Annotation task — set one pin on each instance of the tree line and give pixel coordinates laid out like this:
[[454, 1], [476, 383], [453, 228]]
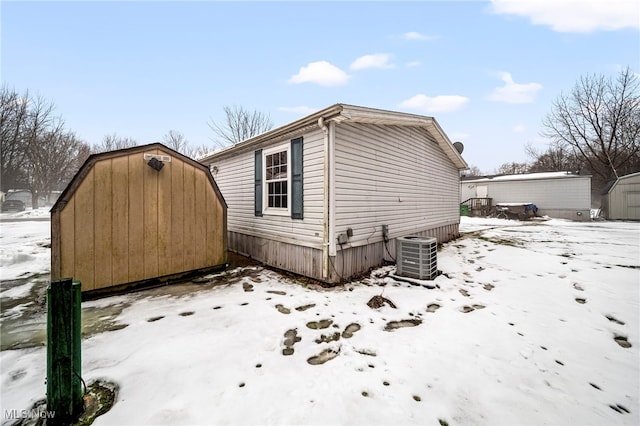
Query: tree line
[[38, 153], [594, 128]]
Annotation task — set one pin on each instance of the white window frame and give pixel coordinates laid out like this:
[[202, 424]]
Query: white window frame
[[276, 211]]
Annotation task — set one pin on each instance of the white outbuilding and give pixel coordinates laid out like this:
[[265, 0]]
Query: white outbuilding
[[622, 199], [562, 195]]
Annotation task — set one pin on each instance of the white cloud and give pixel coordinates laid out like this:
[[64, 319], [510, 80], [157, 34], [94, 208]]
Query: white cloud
[[514, 93], [413, 35], [413, 64], [519, 128], [322, 73], [445, 103], [301, 110], [376, 60], [574, 16]]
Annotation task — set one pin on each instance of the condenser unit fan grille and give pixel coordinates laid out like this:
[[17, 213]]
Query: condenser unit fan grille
[[416, 257]]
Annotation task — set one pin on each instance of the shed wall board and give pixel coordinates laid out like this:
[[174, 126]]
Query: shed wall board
[[189, 217], [395, 176], [235, 178], [83, 222], [66, 256], [120, 221], [150, 224], [136, 219], [178, 224], [165, 212], [102, 223]]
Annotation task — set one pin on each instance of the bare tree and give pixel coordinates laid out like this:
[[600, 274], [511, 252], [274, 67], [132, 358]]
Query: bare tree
[[512, 168], [53, 161], [13, 153], [239, 124], [175, 140], [40, 122], [37, 152], [557, 158], [113, 142], [200, 151], [472, 171], [599, 121]]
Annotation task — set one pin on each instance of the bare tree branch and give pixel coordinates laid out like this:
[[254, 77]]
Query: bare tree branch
[[174, 140], [239, 125], [599, 123], [113, 142], [13, 152]]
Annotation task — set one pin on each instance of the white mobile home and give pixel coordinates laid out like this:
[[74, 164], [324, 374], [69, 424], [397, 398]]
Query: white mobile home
[[622, 200], [562, 195], [325, 196]]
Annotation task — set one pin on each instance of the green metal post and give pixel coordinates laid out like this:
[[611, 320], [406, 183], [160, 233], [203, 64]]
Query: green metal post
[[64, 384]]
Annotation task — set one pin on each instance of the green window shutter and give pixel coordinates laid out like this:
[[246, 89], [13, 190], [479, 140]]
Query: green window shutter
[[257, 200], [297, 206]]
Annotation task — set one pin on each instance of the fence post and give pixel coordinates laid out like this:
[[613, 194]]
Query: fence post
[[64, 366]]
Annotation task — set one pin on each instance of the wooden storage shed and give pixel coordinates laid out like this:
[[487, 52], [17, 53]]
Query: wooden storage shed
[[622, 199], [327, 195], [137, 216]]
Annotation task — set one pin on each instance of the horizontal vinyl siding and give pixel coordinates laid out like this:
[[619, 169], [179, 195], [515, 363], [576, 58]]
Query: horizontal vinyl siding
[[397, 176], [569, 193], [468, 190], [619, 198], [235, 178]]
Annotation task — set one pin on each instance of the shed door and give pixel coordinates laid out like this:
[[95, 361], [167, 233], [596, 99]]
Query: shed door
[[482, 191], [632, 205]]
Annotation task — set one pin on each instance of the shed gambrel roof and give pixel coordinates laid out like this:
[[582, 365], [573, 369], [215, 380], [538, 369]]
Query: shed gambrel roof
[[94, 158], [611, 185], [354, 114]]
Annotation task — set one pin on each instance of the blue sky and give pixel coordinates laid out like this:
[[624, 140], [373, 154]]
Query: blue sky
[[487, 71]]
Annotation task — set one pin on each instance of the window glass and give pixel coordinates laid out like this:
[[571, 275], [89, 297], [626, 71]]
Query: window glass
[[276, 179]]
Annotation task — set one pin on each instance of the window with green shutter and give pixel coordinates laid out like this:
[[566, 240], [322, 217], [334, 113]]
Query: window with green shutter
[[278, 180]]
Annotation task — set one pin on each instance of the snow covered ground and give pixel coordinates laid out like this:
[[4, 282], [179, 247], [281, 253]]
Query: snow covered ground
[[521, 330]]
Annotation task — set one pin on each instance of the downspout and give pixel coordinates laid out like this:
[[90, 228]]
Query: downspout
[[332, 188], [325, 200]]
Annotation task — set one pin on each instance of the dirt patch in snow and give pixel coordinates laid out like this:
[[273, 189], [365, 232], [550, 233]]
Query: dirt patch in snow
[[394, 325]]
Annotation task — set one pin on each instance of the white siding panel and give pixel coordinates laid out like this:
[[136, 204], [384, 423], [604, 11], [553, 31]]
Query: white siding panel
[[622, 200], [568, 193], [235, 176], [395, 176]]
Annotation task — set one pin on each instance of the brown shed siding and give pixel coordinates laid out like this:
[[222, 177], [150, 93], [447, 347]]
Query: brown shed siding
[[120, 221]]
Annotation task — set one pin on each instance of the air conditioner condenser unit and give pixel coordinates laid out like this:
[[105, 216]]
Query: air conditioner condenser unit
[[417, 257]]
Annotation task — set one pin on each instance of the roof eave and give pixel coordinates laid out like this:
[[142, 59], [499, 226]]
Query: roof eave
[[301, 123], [355, 114]]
